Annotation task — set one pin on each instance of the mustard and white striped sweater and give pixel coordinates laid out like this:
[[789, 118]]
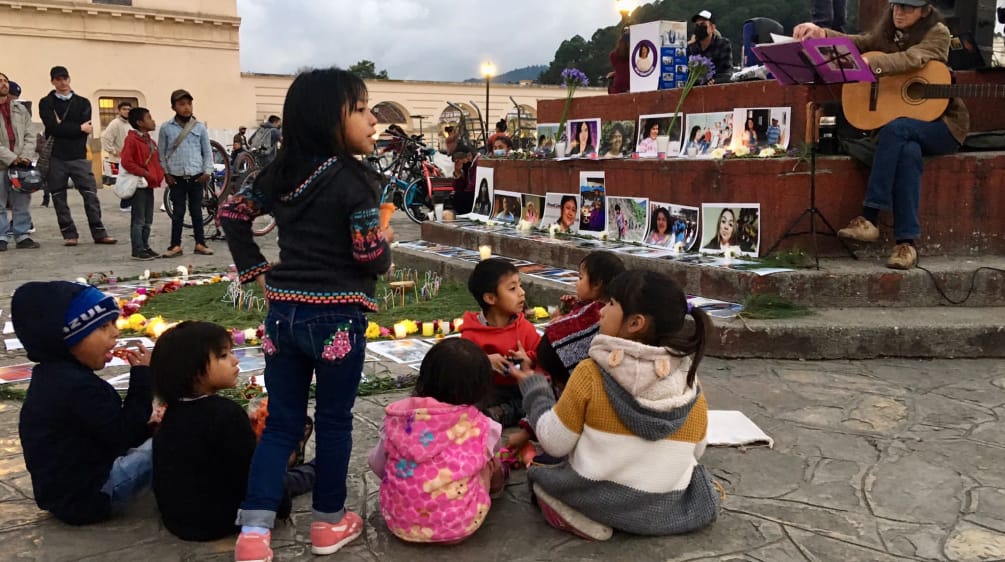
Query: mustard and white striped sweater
[[633, 432]]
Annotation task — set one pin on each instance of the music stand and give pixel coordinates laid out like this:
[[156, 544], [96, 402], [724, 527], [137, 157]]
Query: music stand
[[791, 64]]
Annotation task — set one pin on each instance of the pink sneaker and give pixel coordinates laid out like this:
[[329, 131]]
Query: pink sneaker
[[328, 538], [253, 547]]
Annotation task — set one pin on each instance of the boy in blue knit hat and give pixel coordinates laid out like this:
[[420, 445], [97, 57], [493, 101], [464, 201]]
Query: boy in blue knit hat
[[88, 451]]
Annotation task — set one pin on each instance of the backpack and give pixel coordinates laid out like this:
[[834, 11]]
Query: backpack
[[261, 140]]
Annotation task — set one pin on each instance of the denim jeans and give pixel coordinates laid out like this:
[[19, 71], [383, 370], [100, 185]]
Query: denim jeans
[[186, 191], [20, 203], [142, 217], [829, 13], [132, 474], [895, 180], [300, 336]]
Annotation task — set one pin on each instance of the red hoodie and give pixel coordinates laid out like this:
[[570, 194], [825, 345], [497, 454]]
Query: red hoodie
[[501, 340], [139, 157]]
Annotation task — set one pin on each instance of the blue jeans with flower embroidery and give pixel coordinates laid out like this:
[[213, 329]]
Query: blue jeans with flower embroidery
[[303, 340]]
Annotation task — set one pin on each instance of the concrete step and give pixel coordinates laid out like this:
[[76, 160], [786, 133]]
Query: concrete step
[[829, 333], [840, 282]]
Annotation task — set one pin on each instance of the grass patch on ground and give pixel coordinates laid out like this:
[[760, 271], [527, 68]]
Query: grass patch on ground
[[206, 302], [795, 259], [772, 307]]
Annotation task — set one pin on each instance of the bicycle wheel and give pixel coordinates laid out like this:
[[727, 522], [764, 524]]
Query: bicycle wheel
[[221, 166], [263, 224], [244, 164], [416, 202]]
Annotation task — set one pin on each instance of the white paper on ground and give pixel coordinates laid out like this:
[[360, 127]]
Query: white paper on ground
[[13, 344], [731, 428], [8, 327]]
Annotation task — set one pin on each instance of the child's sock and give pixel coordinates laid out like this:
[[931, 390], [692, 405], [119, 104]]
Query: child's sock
[[250, 529]]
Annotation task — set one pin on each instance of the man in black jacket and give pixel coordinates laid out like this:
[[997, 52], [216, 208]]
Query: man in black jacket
[[67, 118], [708, 42]]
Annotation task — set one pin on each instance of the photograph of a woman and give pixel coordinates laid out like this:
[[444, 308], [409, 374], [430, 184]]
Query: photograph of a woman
[[671, 224], [644, 59], [655, 137], [567, 220], [647, 143], [533, 206], [659, 228], [616, 139], [483, 201], [733, 225], [583, 135]]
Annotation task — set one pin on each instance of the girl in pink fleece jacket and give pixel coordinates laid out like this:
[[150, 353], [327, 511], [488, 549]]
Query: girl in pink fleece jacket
[[436, 456]]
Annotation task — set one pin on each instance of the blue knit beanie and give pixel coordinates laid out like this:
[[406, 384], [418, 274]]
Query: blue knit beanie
[[88, 311]]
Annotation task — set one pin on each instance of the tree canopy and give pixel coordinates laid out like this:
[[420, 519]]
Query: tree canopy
[[367, 70], [590, 56]]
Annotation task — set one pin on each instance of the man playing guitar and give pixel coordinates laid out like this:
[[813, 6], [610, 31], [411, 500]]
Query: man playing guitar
[[910, 35]]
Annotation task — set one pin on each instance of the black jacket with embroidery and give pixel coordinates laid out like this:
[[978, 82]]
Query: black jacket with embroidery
[[330, 245]]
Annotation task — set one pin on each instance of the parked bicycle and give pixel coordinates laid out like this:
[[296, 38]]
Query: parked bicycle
[[414, 183]]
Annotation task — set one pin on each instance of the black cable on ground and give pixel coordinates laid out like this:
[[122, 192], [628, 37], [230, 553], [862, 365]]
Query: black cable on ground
[[970, 291]]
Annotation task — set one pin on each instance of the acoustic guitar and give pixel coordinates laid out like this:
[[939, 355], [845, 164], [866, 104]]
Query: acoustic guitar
[[922, 94]]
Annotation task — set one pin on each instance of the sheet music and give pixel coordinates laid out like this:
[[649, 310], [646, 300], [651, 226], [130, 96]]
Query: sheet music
[[776, 38]]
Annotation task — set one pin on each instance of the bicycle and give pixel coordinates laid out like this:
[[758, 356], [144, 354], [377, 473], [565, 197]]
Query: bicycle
[[414, 182], [214, 189], [247, 166]]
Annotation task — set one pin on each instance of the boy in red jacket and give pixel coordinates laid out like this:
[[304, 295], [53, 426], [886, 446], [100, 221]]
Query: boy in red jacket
[[503, 333], [139, 157]]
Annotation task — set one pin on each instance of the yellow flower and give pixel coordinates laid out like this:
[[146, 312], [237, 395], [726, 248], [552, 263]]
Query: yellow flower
[[719, 153], [540, 312], [741, 151], [137, 321], [372, 331], [410, 326]]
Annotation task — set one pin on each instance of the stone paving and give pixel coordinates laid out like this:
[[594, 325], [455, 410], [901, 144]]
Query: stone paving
[[873, 460]]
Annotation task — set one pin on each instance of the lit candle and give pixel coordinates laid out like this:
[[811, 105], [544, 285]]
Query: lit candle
[[400, 330], [122, 323], [552, 230], [457, 323], [485, 251], [238, 336], [427, 329], [444, 326]]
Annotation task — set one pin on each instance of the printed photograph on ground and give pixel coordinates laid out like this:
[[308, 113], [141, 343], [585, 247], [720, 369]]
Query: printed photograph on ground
[[561, 209], [592, 214], [730, 225], [533, 207], [482, 208], [627, 218], [706, 132], [506, 206], [671, 224]]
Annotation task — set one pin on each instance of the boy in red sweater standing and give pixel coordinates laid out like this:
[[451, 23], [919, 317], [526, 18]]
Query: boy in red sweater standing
[[503, 333], [139, 157]]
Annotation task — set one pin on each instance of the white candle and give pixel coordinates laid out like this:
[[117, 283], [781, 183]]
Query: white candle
[[400, 331], [485, 251]]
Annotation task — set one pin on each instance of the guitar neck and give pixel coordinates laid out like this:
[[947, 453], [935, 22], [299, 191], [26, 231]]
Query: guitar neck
[[964, 91]]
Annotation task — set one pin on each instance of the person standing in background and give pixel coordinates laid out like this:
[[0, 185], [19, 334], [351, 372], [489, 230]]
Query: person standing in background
[[829, 14], [112, 140]]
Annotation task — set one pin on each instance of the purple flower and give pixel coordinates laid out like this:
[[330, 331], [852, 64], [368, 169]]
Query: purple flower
[[573, 77], [701, 67]]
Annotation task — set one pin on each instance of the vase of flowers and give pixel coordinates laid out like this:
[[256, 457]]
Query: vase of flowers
[[572, 78], [699, 71]]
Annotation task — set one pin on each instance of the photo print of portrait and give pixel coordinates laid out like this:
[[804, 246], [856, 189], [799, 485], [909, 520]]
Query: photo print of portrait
[[547, 136], [644, 58], [731, 225], [506, 206], [616, 139], [584, 135], [706, 132], [653, 138], [592, 213], [482, 207], [561, 209], [671, 224], [533, 206], [761, 127], [627, 218]]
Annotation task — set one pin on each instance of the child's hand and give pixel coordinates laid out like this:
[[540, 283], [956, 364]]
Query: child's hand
[[520, 356], [569, 300], [388, 234], [500, 364], [522, 371], [139, 356]]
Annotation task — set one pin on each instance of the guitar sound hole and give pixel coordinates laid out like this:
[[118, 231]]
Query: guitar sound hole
[[914, 92]]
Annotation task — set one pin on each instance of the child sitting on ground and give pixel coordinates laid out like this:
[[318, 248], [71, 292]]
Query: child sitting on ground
[[202, 451], [632, 420], [437, 451], [87, 450], [503, 333], [567, 339]]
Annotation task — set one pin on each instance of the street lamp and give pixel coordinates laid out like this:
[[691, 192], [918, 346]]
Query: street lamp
[[488, 70], [624, 7]]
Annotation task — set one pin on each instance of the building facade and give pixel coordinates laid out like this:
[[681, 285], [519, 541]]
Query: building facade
[[141, 50]]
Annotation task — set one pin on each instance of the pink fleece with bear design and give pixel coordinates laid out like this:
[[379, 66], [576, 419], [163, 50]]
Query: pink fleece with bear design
[[433, 458]]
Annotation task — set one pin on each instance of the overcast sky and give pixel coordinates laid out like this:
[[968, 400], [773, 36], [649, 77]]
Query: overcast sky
[[413, 39]]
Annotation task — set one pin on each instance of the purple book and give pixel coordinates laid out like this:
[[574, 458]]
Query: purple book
[[829, 60]]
